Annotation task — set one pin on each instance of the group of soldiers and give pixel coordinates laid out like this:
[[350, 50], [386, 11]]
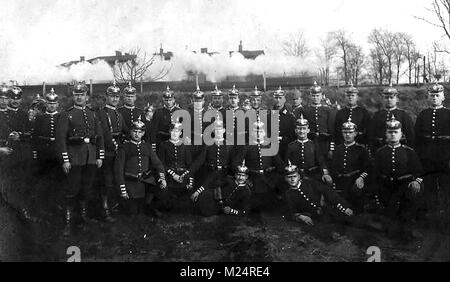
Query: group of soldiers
[[330, 162]]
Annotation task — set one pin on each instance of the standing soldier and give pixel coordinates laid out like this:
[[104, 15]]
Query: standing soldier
[[377, 128], [359, 116], [114, 130], [217, 101], [149, 112], [286, 122], [233, 107], [162, 119], [297, 108], [321, 122], [350, 167], [4, 127], [80, 142], [133, 166], [129, 111], [433, 147], [197, 112]]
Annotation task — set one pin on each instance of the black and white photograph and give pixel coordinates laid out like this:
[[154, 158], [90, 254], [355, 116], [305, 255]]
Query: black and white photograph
[[237, 132]]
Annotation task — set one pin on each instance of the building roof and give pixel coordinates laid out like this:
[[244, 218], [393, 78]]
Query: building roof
[[249, 54]]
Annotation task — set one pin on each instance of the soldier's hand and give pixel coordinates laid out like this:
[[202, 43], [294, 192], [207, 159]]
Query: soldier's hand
[[327, 179], [414, 186], [125, 195], [348, 212], [154, 147], [99, 163], [330, 155], [66, 167], [194, 196], [14, 136], [359, 182], [5, 150], [303, 218], [226, 210], [162, 184], [177, 178]]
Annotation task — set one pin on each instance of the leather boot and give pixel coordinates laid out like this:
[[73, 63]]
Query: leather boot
[[84, 211], [108, 216], [68, 226]]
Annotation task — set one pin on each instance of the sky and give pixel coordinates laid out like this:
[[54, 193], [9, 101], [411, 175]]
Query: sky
[[37, 35]]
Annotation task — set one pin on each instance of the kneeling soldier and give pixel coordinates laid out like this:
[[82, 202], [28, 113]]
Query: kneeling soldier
[[133, 164], [350, 166]]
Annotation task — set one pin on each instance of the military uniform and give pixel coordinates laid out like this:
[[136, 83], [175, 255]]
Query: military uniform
[[298, 111], [360, 117], [305, 155], [130, 114]]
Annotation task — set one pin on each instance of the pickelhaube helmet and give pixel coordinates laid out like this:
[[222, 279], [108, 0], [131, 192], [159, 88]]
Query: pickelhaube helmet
[[435, 88], [242, 168], [15, 92], [279, 93], [348, 126], [4, 89], [80, 87], [129, 90], [256, 92], [38, 103], [393, 124], [51, 97], [301, 121], [168, 94], [216, 92], [198, 94], [290, 169], [138, 124], [233, 91], [351, 89], [113, 90], [390, 91], [315, 89]]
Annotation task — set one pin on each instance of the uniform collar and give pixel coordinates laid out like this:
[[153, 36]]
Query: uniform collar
[[51, 114], [352, 107], [391, 109], [79, 108], [395, 146], [298, 186], [136, 143], [349, 145], [316, 106], [437, 108], [298, 106], [12, 109], [3, 110], [170, 109], [129, 107], [110, 107], [303, 141], [234, 108]]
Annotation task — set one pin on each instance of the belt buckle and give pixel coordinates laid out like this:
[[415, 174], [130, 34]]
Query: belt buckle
[[261, 171], [391, 179], [52, 139], [87, 140], [219, 167]]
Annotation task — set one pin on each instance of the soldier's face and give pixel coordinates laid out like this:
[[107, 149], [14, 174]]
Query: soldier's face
[[393, 136], [137, 134], [280, 101], [4, 102], [198, 103], [129, 100], [349, 136], [15, 103], [51, 107], [292, 179], [390, 101], [351, 99], [241, 178], [149, 114], [169, 102], [302, 132], [217, 101], [316, 98], [297, 101], [175, 134], [255, 102], [80, 99], [436, 99], [234, 101], [219, 132], [113, 100]]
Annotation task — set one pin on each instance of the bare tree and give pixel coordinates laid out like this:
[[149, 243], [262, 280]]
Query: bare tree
[[377, 65], [383, 40], [296, 45], [139, 67], [411, 55], [342, 42], [399, 52], [356, 61], [326, 54]]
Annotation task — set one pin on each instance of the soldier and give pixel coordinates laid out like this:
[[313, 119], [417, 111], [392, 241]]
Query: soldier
[[133, 166], [398, 174], [197, 112], [304, 154], [177, 160], [80, 142], [286, 121], [297, 106], [433, 147], [129, 111], [321, 122], [359, 116], [114, 130], [262, 168], [216, 100], [149, 112], [246, 105], [4, 127], [233, 96], [162, 119], [350, 167], [229, 196], [377, 127], [303, 198]]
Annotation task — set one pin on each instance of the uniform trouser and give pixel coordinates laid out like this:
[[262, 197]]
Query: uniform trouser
[[50, 169], [108, 190], [135, 206], [398, 199], [346, 187], [80, 183]]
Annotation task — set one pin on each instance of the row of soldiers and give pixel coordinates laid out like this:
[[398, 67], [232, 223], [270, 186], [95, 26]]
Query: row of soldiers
[[328, 158]]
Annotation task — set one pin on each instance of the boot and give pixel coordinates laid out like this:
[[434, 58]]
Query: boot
[[67, 228], [108, 217], [83, 213]]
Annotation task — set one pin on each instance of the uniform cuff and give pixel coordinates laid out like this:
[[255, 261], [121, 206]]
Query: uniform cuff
[[341, 208], [331, 146], [363, 175], [419, 180], [101, 154], [200, 190], [65, 157]]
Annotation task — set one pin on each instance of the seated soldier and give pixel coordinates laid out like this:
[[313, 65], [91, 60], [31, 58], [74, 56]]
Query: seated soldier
[[230, 196], [177, 160], [350, 167], [303, 199], [133, 164]]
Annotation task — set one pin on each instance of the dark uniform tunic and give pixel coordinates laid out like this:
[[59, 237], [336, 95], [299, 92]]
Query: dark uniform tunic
[[360, 117], [321, 124], [305, 155], [232, 133], [349, 163], [18, 121], [133, 160], [395, 167], [44, 137], [177, 160], [377, 128], [433, 147], [298, 111], [79, 138], [161, 121], [286, 127], [130, 114], [235, 196], [4, 127]]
